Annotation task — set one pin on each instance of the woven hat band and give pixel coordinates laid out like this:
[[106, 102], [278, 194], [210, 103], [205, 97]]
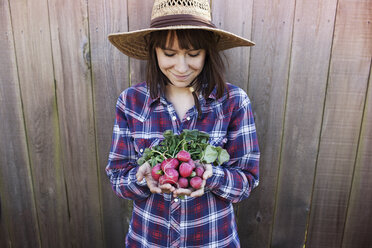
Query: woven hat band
[[180, 19]]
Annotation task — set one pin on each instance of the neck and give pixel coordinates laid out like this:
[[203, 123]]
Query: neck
[[173, 92], [181, 99]]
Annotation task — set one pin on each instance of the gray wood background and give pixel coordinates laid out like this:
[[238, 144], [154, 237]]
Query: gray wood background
[[308, 77]]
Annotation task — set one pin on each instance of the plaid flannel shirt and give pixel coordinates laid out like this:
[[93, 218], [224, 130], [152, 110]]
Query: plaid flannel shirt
[[160, 220]]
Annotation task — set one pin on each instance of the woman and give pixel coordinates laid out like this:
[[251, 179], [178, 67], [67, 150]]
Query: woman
[[185, 89]]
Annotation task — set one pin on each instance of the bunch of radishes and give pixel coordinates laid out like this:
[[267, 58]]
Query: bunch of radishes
[[180, 171], [172, 160]]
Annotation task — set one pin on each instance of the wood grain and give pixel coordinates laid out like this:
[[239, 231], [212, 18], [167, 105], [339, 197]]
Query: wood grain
[[348, 78], [237, 58], [358, 224], [310, 54], [110, 77], [139, 15], [268, 76], [71, 58], [16, 189], [35, 69]]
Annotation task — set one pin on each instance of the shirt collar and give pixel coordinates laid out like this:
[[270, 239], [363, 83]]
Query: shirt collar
[[150, 100], [212, 96]]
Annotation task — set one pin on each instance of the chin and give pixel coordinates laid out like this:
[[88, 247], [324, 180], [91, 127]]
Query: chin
[[181, 84]]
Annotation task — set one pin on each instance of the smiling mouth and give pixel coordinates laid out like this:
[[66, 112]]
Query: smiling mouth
[[181, 77]]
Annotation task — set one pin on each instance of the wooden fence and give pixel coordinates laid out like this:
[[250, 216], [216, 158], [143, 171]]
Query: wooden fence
[[308, 77]]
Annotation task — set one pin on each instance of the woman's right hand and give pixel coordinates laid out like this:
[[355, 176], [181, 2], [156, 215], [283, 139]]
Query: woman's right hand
[[144, 171]]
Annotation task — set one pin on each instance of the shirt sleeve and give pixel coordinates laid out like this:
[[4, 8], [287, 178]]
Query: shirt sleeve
[[235, 180], [122, 165]]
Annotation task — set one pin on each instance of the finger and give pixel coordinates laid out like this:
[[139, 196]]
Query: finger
[[143, 170], [153, 185], [154, 189], [197, 193], [167, 188], [208, 171], [204, 182], [139, 174], [181, 191]]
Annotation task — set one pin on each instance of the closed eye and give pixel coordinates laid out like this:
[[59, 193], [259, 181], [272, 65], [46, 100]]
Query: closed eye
[[169, 54], [194, 54]]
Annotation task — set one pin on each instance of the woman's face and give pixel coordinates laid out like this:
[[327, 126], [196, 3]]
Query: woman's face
[[180, 66]]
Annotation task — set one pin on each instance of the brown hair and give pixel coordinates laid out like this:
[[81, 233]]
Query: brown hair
[[211, 75]]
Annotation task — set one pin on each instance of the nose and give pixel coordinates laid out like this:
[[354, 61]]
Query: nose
[[181, 65]]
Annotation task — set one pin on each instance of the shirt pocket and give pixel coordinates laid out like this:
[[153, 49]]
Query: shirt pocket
[[140, 144]]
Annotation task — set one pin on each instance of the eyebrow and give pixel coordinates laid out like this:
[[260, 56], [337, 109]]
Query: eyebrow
[[173, 50]]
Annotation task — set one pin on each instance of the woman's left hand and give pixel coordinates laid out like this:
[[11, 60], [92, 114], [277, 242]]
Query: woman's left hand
[[196, 192]]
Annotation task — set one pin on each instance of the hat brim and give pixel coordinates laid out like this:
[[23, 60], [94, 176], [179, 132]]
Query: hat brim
[[133, 43]]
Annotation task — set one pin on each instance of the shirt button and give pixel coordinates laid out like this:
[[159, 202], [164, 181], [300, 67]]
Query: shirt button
[[141, 150], [188, 118], [174, 118]]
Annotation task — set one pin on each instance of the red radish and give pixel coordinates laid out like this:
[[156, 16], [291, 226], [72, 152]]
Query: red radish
[[196, 182], [169, 163], [156, 172], [199, 171], [183, 156], [170, 176], [163, 180], [185, 169], [192, 163], [183, 182]]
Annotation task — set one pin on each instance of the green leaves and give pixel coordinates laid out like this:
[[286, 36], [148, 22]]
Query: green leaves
[[193, 141], [153, 156], [210, 155], [223, 156], [215, 154]]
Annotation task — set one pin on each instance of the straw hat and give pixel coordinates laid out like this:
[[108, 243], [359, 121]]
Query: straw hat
[[171, 15]]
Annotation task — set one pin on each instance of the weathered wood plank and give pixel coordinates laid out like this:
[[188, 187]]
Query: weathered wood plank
[[268, 76], [348, 78], [16, 189], [35, 70], [310, 55], [71, 58], [237, 58], [110, 76], [139, 16], [358, 225], [4, 234]]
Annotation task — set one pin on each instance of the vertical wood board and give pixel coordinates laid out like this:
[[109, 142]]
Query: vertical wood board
[[268, 75], [348, 77], [139, 16], [358, 225], [110, 78], [16, 190], [35, 69], [310, 55], [237, 58], [71, 58]]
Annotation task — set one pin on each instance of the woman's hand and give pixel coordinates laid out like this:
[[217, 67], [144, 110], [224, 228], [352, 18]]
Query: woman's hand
[[144, 171], [196, 192]]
